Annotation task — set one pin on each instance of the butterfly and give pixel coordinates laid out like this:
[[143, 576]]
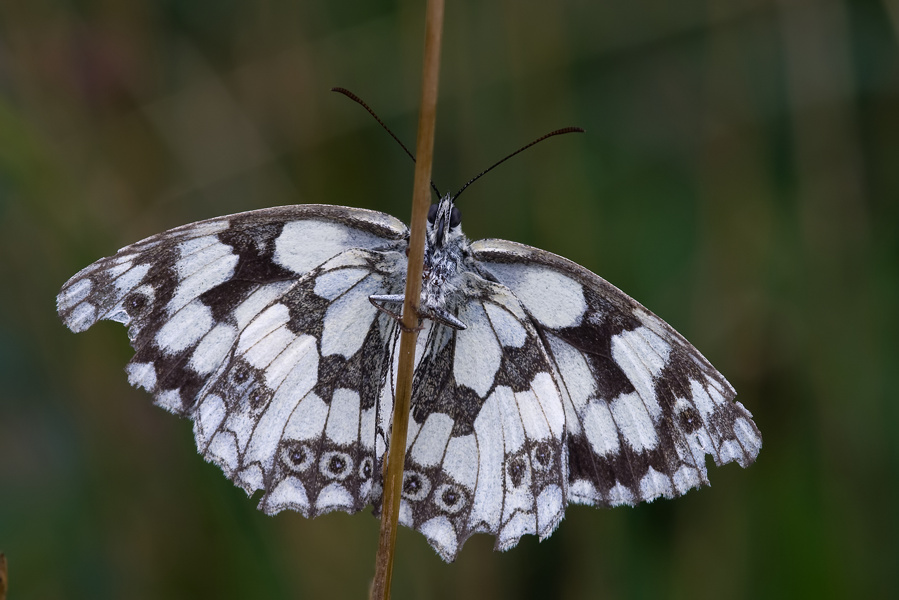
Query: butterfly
[[537, 383]]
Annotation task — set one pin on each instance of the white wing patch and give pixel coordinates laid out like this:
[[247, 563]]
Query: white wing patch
[[575, 378], [212, 350], [461, 454], [508, 328], [477, 354], [552, 298], [266, 336], [600, 428], [308, 419], [430, 443], [185, 328], [489, 489], [303, 245], [550, 402], [349, 318], [126, 280], [258, 301], [141, 375], [82, 316], [634, 422], [343, 417], [331, 284]]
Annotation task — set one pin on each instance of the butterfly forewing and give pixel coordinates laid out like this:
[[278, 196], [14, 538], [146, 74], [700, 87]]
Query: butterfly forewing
[[643, 407]]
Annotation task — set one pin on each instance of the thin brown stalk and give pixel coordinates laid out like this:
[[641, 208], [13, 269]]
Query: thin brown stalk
[[4, 577], [393, 480]]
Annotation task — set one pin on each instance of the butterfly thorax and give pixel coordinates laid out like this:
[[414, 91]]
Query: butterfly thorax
[[445, 249]]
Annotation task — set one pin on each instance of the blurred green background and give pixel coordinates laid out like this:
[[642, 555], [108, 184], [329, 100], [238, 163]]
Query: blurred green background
[[739, 176]]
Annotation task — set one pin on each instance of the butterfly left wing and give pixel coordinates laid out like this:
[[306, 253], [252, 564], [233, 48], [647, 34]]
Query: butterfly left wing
[[239, 322], [485, 451], [643, 408]]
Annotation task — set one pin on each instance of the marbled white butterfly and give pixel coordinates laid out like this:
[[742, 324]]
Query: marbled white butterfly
[[537, 383]]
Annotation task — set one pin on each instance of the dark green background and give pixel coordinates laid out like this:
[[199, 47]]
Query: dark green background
[[740, 177]]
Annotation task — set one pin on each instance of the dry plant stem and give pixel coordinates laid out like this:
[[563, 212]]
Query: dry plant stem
[[390, 505], [4, 577]]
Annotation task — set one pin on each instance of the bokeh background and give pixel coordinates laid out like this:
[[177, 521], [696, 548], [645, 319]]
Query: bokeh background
[[739, 176]]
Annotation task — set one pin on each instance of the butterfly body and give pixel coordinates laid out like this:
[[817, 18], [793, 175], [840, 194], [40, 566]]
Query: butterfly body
[[446, 258], [537, 383]]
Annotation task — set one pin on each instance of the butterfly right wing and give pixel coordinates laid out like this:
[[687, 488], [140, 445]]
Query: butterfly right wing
[[297, 408], [204, 304]]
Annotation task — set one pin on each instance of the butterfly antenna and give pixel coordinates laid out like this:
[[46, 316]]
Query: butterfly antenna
[[522, 149], [362, 103]]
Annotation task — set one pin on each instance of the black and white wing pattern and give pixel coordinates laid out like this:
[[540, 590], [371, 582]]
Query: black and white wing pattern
[[561, 389], [258, 327], [486, 448], [642, 406], [537, 383]]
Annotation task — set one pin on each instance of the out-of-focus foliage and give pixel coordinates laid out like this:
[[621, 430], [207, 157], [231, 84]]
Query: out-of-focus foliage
[[740, 177]]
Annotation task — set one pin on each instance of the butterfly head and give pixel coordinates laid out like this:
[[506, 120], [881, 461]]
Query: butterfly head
[[444, 222]]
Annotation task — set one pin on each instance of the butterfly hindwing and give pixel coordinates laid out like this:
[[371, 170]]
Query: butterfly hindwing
[[312, 446], [485, 451], [643, 407]]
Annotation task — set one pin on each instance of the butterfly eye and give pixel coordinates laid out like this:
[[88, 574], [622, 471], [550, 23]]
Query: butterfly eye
[[432, 214], [455, 217]]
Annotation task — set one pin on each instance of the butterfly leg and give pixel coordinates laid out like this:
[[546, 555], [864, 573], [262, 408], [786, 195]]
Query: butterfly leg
[[439, 315], [395, 316], [443, 316]]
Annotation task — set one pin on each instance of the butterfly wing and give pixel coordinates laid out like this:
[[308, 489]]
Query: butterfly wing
[[485, 451], [257, 326], [643, 407], [560, 389]]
